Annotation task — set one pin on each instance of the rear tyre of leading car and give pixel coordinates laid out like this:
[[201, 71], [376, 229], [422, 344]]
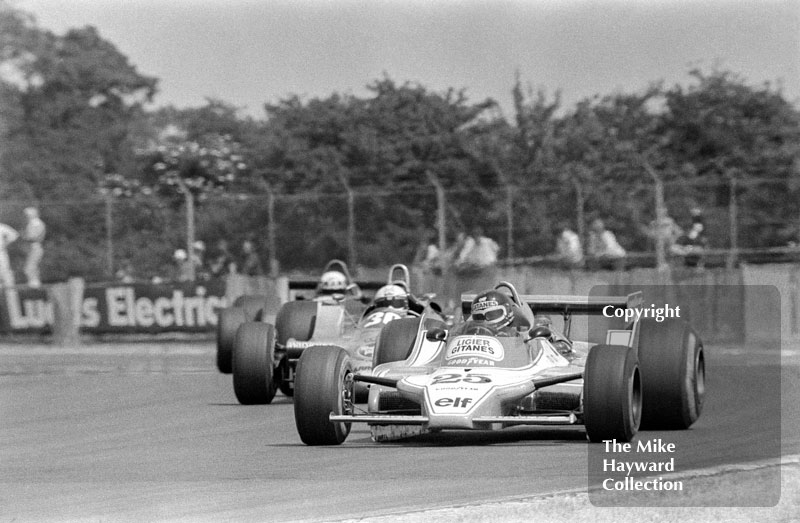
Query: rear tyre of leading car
[[244, 308], [673, 371], [612, 393], [296, 320], [322, 386], [253, 363], [229, 321]]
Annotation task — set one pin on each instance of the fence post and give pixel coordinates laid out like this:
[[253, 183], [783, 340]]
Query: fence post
[[441, 215], [67, 302], [351, 221], [271, 244], [510, 220], [189, 229], [109, 235], [661, 217], [733, 220], [580, 204]]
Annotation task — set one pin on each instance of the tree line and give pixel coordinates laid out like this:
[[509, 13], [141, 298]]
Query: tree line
[[77, 126]]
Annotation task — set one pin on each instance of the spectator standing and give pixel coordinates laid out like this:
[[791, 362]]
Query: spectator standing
[[667, 231], [251, 263], [183, 266], [484, 253], [198, 256], [125, 272], [33, 234], [8, 235], [692, 244], [427, 255], [603, 249], [222, 262], [476, 267], [569, 250]]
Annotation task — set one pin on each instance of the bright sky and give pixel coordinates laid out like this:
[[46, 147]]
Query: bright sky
[[248, 52]]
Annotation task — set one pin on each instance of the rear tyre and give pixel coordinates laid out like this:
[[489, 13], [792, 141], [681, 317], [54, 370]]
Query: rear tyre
[[322, 386], [295, 320], [395, 341], [672, 364], [253, 367], [612, 393], [253, 305], [229, 321]]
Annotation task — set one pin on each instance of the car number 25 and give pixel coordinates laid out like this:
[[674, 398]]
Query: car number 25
[[377, 318], [455, 378]]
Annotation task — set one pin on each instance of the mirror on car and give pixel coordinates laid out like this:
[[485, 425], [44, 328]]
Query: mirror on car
[[436, 334]]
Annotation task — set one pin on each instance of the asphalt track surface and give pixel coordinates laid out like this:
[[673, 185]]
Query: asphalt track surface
[[144, 433]]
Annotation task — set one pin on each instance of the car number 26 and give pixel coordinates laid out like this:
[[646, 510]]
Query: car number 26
[[455, 378], [380, 317]]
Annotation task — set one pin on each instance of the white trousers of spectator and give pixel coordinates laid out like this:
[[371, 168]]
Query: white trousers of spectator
[[31, 269], [6, 274]]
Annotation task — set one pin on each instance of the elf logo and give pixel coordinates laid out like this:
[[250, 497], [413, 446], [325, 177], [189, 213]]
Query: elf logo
[[459, 403]]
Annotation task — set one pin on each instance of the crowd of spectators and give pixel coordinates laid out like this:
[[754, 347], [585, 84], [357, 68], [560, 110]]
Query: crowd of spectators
[[202, 266], [681, 247]]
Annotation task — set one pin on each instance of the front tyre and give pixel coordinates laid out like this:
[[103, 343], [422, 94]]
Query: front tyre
[[253, 367], [612, 393], [673, 374], [323, 385]]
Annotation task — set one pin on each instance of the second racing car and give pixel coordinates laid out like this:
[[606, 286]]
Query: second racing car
[[264, 356]]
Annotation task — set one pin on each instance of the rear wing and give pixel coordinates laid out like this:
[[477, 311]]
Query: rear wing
[[305, 289], [560, 304], [552, 304]]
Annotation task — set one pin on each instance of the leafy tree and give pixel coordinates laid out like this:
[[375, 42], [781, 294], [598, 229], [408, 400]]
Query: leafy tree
[[720, 128], [69, 102]]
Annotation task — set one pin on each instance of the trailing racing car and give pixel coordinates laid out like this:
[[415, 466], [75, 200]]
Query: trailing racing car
[[506, 365], [334, 282], [264, 356]]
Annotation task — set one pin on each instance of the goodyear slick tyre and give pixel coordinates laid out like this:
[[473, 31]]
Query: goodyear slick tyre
[[253, 363], [612, 393], [229, 321], [672, 364], [253, 305], [320, 387], [295, 320]]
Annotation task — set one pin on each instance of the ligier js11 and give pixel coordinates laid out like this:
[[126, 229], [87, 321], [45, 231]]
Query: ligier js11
[[265, 356], [506, 365]]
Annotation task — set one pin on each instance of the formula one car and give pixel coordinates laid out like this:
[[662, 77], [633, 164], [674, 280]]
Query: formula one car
[[471, 377], [265, 356], [335, 280]]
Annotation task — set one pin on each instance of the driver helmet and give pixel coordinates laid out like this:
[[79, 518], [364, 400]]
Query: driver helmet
[[492, 308], [332, 282], [393, 296]]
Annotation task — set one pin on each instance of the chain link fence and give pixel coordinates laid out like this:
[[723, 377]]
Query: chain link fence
[[377, 227]]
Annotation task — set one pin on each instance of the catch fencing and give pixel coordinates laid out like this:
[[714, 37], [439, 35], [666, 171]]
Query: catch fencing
[[374, 227]]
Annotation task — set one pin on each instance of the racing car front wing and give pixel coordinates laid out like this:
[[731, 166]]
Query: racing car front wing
[[390, 419]]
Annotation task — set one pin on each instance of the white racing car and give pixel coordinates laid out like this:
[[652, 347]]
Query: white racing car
[[481, 377], [264, 356]]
